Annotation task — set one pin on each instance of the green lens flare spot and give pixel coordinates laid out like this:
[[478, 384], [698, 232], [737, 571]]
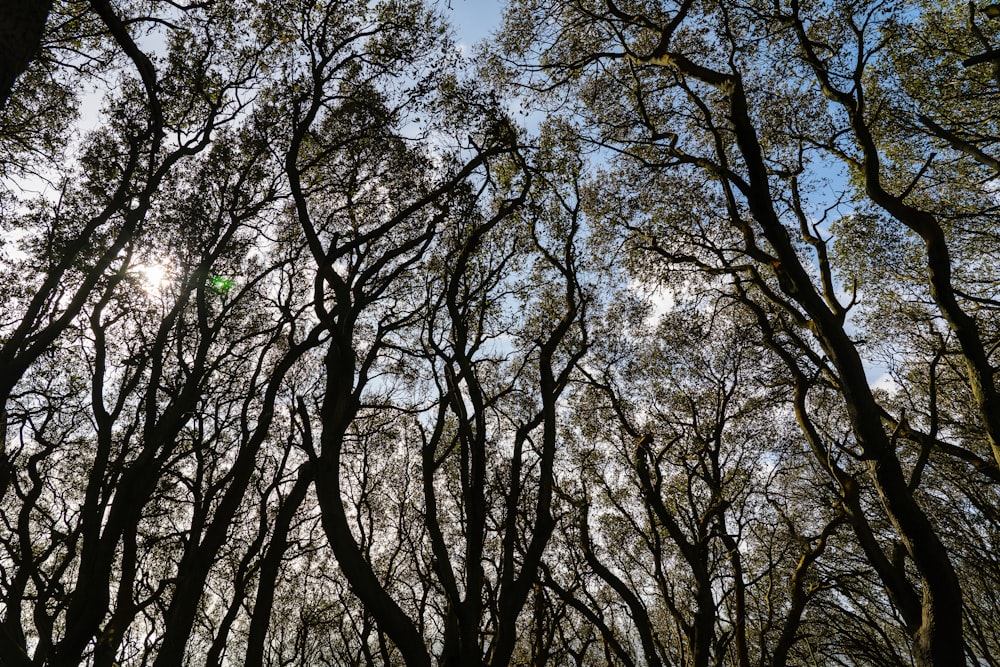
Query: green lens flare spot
[[220, 284]]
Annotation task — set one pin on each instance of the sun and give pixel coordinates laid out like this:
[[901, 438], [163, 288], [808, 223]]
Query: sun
[[153, 277]]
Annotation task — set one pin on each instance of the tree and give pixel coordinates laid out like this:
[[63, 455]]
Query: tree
[[310, 355], [747, 105]]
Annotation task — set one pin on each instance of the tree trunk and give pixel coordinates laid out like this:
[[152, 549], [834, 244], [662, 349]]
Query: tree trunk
[[21, 25]]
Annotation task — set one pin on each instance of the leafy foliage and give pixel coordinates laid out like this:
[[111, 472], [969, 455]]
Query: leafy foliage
[[310, 355]]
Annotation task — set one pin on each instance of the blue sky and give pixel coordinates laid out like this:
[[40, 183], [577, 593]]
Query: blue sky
[[474, 19]]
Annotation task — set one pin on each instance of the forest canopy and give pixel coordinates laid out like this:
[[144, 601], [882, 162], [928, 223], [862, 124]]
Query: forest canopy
[[643, 333]]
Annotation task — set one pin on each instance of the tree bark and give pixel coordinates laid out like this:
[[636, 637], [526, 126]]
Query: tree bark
[[22, 23]]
